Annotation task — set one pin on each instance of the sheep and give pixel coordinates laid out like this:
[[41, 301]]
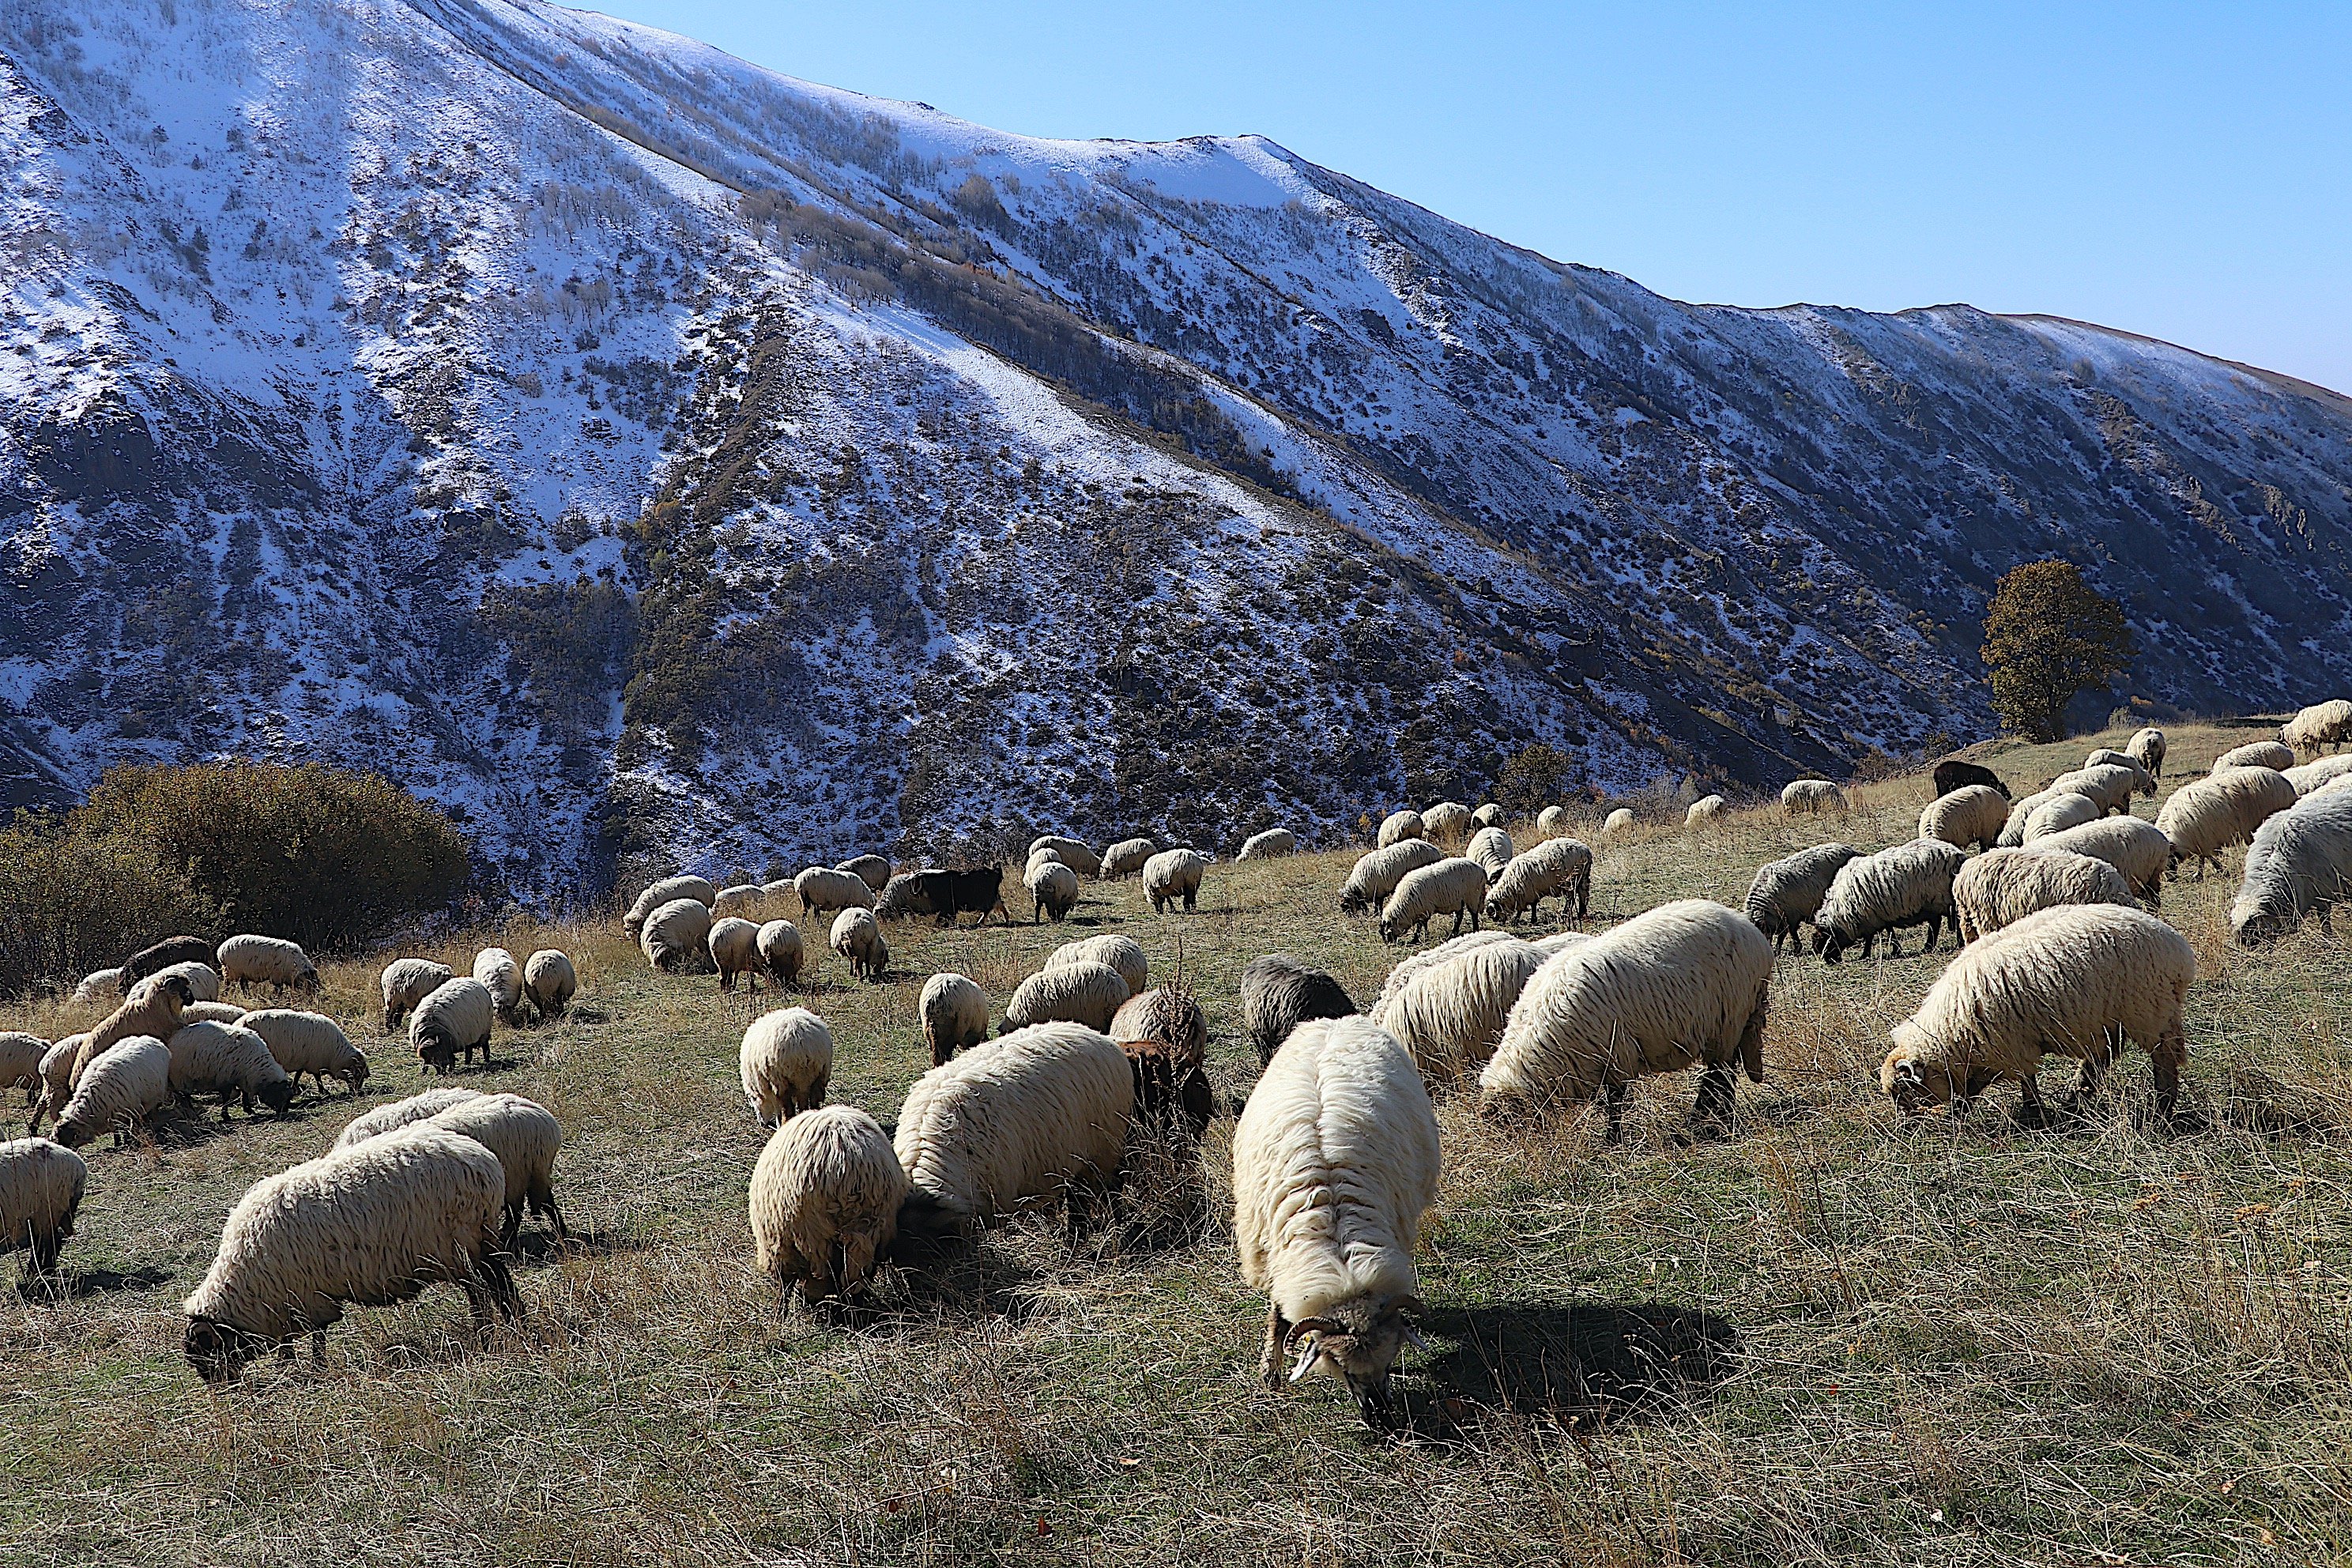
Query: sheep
[[2020, 812], [203, 982], [871, 869], [1052, 890], [1487, 815], [780, 950], [1787, 894], [734, 944], [857, 937], [119, 1093], [2062, 810], [1170, 875], [1909, 885], [785, 1062], [1279, 992], [1126, 856], [1448, 821], [2258, 755], [153, 1010], [1970, 817], [20, 1064], [2003, 886], [2065, 981], [309, 1043], [1047, 856], [1551, 822], [97, 983], [1416, 964], [2300, 864], [1704, 810], [525, 1136], [669, 889], [549, 981], [1375, 875], [2322, 724], [1686, 981], [371, 1226], [1491, 847], [2131, 845], [825, 892], [1456, 887], [1035, 1113], [1272, 844], [159, 956], [231, 1061], [403, 1113], [677, 935], [2112, 787], [1085, 993], [2142, 782], [1450, 1016], [1811, 797], [1335, 1161], [405, 981], [770, 891], [453, 1021], [1555, 866], [212, 1013], [1165, 1036], [248, 961], [2147, 749], [1119, 951], [2313, 777], [742, 898], [2207, 815], [954, 1011], [945, 894], [1400, 825], [41, 1185], [825, 1203], [496, 968], [1952, 773], [1618, 821], [57, 1087], [1073, 852]]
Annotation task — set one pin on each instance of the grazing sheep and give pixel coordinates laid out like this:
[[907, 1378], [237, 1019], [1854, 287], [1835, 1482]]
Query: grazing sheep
[[2020, 812], [1557, 866], [1166, 1038], [1375, 875], [1448, 821], [2003, 886], [1073, 853], [1705, 809], [2301, 864], [1172, 875], [405, 983], [1487, 815], [740, 899], [2147, 749], [824, 1204], [667, 891], [1119, 951], [212, 1013], [780, 950], [1126, 856], [455, 1022], [1335, 1161], [20, 1064], [1786, 894], [1457, 888], [2065, 981], [780, 888], [954, 1011], [2111, 787], [786, 1061], [1953, 774], [734, 944], [1047, 857], [2328, 724], [1035, 1113], [677, 936], [2062, 810], [1272, 844], [1552, 822], [549, 981], [1970, 817], [97, 983], [2313, 777], [526, 1137], [1811, 797], [403, 1113], [1279, 992], [945, 894], [857, 937], [41, 1185], [871, 869], [1415, 963], [2132, 844], [501, 975], [1450, 1016], [1400, 825], [824, 892], [1618, 821], [1909, 885], [2142, 782], [56, 1074], [1084, 992], [1052, 890], [311, 1042], [2207, 815], [371, 1225], [159, 956], [119, 1093], [153, 1011], [1491, 847], [203, 982]]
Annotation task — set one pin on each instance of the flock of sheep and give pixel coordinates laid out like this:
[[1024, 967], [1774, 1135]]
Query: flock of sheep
[[1335, 1148]]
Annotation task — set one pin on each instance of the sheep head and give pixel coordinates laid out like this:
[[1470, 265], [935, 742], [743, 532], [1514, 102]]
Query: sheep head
[[1910, 1080], [217, 1349], [1358, 1344], [278, 1096]]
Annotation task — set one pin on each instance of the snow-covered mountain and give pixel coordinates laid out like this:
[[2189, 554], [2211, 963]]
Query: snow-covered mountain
[[640, 452]]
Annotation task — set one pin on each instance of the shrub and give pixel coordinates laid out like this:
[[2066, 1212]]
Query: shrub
[[72, 902], [1536, 776]]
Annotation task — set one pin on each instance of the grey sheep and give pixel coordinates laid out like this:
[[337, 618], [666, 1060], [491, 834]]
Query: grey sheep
[[1278, 994], [1787, 894]]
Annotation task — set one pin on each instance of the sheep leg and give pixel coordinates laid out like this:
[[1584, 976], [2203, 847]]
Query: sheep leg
[[2165, 1062], [1710, 1115], [319, 1349], [2030, 1110], [1612, 1102], [1277, 1335], [477, 1302]]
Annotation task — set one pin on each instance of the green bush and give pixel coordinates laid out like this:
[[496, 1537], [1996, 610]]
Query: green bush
[[72, 902]]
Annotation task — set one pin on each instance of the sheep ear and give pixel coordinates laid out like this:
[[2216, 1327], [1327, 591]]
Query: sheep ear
[[1311, 1350]]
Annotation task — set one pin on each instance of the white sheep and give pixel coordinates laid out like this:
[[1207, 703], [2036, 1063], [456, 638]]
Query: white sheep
[[825, 1203], [2020, 812], [98, 986], [667, 891], [1335, 1161], [2063, 981], [2111, 786], [1084, 992], [785, 1062], [309, 1043], [780, 950], [452, 1023], [1811, 797], [403, 1113], [1376, 874], [248, 960], [742, 899], [1447, 821], [496, 968], [2132, 844], [231, 1061], [825, 892], [2321, 724], [203, 981], [1562, 867], [1686, 981], [1456, 887], [1487, 815], [20, 1064], [153, 1010], [1787, 894], [1119, 951], [734, 946], [1908, 884], [406, 982], [871, 869], [1046, 855], [2258, 755], [2147, 749], [1073, 853], [857, 937], [954, 1011], [1449, 1016], [1272, 844], [2142, 782], [1052, 891], [119, 1092], [2314, 776], [2003, 886], [2300, 864], [56, 1080], [549, 981], [41, 1185], [1492, 848], [1708, 808], [2062, 810], [677, 936], [1618, 821], [1970, 817], [1126, 856], [1173, 874], [1400, 825], [2207, 815], [370, 1225], [1552, 822], [525, 1136], [212, 1013], [1031, 1114]]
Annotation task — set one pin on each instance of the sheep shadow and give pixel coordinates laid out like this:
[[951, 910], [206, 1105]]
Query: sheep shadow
[[951, 1282], [535, 1246], [189, 1127], [82, 1283], [1586, 1363]]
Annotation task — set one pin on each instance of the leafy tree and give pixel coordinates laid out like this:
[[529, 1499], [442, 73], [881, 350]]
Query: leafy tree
[[1534, 777], [2049, 635]]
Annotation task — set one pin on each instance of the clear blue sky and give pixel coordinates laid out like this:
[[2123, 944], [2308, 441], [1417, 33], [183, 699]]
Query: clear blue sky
[[2181, 171]]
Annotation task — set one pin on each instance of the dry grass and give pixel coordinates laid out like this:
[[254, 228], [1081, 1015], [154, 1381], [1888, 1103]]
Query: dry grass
[[1971, 1344]]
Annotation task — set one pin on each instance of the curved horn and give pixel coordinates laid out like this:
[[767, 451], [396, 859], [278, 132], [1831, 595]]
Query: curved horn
[[1307, 1357], [1412, 1307], [1305, 1326]]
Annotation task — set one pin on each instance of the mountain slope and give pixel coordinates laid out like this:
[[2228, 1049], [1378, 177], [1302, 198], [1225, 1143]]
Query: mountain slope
[[643, 453]]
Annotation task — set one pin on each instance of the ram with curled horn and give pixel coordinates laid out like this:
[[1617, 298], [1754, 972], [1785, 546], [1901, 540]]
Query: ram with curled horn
[[1359, 1356]]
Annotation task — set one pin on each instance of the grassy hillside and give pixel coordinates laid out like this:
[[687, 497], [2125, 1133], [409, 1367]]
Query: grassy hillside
[[1972, 1344]]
